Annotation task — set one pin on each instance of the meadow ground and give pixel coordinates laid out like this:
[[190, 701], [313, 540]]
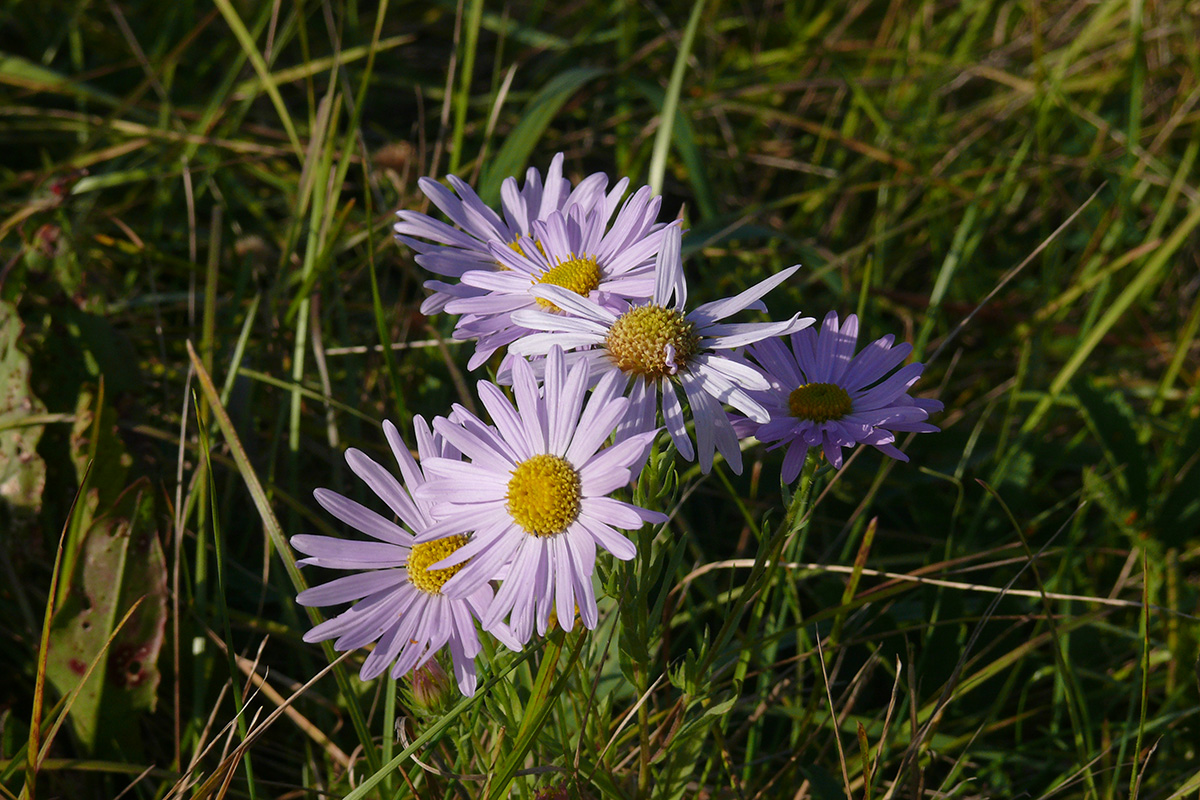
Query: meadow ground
[[195, 240]]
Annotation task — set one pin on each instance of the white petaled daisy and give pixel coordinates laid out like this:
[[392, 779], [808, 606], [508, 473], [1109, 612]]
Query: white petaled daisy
[[822, 394], [659, 346], [448, 251], [534, 495], [399, 603], [577, 250]]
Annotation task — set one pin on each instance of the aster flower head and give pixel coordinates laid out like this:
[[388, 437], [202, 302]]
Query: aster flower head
[[534, 495], [659, 346], [398, 600], [451, 251], [823, 395], [577, 250]]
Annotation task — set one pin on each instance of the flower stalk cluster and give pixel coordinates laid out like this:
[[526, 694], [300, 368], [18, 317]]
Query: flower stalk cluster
[[502, 516]]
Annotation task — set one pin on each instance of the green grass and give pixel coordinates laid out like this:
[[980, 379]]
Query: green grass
[[1010, 187]]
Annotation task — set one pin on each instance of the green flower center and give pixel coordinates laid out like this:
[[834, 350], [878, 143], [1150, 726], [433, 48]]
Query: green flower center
[[580, 274], [819, 402], [638, 341], [543, 495], [422, 555]]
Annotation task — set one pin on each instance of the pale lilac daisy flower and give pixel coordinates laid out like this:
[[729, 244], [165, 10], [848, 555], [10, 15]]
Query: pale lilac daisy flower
[[577, 250], [534, 496], [660, 347], [449, 251], [823, 395], [399, 603]]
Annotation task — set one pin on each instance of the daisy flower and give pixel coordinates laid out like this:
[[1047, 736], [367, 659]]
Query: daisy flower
[[534, 495], [449, 251], [577, 250], [822, 394], [660, 347], [399, 603]]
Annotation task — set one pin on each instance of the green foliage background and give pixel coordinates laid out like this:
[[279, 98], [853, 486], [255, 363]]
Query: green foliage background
[[1010, 186]]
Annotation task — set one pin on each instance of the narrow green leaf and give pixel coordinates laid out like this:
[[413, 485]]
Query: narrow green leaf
[[541, 110], [666, 120]]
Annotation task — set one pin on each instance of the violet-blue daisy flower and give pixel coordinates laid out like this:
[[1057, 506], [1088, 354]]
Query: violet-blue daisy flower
[[823, 395], [534, 495], [450, 251], [397, 595], [577, 250], [660, 347]]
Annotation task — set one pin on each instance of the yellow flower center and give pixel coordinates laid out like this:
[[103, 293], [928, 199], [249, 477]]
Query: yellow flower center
[[638, 341], [422, 555], [543, 495], [819, 402], [580, 274]]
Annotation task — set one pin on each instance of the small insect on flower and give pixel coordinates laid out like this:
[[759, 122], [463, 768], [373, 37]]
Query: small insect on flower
[[397, 593], [659, 346], [822, 394], [534, 495]]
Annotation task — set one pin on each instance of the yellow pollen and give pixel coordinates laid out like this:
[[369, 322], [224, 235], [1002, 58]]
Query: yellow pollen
[[543, 495], [638, 341], [819, 402], [580, 274], [422, 555]]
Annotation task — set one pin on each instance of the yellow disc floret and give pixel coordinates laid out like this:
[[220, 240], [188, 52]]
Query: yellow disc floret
[[430, 580], [819, 402], [580, 274], [652, 341], [543, 495]]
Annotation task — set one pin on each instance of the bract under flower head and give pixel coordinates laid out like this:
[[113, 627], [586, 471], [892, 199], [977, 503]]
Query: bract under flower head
[[822, 394], [451, 251], [576, 250], [534, 494], [659, 346], [396, 585]]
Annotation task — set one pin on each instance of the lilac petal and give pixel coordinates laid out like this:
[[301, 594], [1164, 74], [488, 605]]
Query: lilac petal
[[385, 486], [619, 513], [673, 417], [610, 468], [643, 407], [512, 442], [705, 412], [793, 461], [464, 518], [621, 548], [718, 310], [594, 427], [876, 360], [464, 669], [484, 567], [327, 551], [668, 270], [362, 518], [530, 407], [564, 589], [728, 336], [573, 305], [890, 389], [778, 362], [582, 552], [564, 410], [352, 587]]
